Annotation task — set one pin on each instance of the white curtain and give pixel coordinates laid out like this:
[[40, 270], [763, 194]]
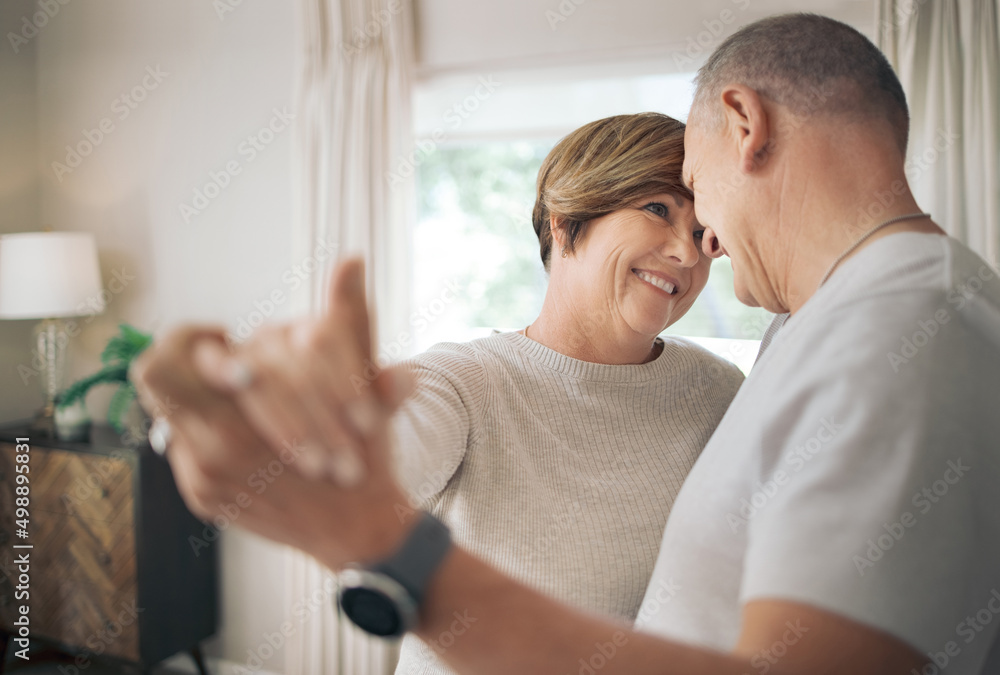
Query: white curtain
[[947, 55], [353, 129]]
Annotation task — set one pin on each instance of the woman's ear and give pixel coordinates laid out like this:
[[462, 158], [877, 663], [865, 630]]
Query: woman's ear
[[558, 233], [746, 121]]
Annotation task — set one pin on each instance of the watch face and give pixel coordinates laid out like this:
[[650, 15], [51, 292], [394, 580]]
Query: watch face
[[371, 610]]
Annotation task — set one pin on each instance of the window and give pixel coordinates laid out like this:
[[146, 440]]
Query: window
[[476, 259]]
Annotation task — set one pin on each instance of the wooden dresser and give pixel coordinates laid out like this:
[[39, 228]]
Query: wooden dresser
[[113, 572]]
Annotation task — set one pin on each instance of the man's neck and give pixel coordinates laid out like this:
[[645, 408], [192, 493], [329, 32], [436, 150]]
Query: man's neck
[[833, 219]]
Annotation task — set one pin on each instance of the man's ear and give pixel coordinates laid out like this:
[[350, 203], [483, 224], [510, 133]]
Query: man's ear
[[748, 124]]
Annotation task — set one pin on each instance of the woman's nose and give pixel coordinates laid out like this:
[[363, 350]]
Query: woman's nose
[[683, 249], [710, 244]]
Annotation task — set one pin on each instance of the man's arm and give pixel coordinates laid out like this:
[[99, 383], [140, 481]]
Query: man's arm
[[481, 621]]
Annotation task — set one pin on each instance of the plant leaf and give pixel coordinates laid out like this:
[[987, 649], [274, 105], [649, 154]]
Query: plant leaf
[[118, 405]]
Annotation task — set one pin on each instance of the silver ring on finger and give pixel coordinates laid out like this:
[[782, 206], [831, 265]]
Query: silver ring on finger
[[160, 434]]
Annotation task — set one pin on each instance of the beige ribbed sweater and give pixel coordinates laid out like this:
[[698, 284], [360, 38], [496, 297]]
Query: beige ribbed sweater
[[558, 472]]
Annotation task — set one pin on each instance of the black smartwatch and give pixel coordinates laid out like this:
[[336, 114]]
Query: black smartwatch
[[383, 599]]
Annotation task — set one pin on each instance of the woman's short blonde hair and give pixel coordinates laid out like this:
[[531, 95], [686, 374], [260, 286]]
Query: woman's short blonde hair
[[605, 166]]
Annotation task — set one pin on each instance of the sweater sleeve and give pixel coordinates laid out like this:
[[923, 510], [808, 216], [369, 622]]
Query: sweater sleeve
[[437, 424]]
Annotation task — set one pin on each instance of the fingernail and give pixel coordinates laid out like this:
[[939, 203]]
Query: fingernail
[[346, 468]]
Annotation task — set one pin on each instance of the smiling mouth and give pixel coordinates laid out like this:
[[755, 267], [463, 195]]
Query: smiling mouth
[[654, 280]]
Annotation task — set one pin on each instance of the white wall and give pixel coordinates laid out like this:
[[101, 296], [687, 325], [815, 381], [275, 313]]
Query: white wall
[[20, 394], [220, 80], [457, 35]]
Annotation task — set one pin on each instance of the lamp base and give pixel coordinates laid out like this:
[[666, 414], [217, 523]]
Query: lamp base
[[44, 424]]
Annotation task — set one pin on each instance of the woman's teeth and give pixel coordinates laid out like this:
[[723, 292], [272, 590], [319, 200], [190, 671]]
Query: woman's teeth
[[656, 281]]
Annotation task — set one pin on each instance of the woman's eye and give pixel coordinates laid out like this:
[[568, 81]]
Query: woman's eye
[[699, 234], [657, 208]]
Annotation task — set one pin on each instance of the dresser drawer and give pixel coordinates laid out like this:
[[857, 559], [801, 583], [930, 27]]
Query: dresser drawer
[[88, 617], [92, 506], [90, 486], [86, 537]]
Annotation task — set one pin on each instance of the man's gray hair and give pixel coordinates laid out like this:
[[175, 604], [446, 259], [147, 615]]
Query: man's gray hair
[[812, 65]]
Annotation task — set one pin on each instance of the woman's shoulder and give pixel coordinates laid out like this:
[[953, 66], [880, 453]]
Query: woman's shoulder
[[703, 361], [466, 358]]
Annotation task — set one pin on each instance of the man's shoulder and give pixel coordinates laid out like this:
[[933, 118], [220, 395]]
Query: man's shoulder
[[928, 294]]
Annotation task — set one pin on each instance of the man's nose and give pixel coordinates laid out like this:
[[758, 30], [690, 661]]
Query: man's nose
[[710, 244]]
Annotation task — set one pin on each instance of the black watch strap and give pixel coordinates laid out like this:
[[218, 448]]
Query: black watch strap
[[419, 556]]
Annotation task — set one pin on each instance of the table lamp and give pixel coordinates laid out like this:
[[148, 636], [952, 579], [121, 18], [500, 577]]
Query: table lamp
[[49, 276]]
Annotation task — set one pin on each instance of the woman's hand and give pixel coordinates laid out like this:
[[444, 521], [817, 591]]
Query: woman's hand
[[243, 423]]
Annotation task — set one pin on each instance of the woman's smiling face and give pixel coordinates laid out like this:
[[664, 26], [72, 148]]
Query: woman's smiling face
[[642, 264]]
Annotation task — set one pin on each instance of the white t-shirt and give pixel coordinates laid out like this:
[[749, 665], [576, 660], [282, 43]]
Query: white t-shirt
[[858, 468]]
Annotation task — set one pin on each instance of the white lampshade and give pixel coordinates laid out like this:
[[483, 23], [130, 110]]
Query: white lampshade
[[48, 275]]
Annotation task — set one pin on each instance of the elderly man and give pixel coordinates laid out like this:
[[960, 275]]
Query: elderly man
[[844, 517]]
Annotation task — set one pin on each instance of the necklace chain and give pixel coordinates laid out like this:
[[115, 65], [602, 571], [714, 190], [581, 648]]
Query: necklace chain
[[864, 237]]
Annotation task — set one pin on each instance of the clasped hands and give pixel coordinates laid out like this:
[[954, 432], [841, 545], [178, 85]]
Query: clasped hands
[[291, 427]]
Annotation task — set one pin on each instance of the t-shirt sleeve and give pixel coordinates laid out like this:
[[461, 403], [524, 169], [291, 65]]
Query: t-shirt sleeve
[[434, 427], [877, 496]]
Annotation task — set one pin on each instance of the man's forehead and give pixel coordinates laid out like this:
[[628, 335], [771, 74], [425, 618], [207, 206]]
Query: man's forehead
[[690, 153]]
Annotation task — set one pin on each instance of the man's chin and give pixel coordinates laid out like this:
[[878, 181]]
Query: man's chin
[[745, 296]]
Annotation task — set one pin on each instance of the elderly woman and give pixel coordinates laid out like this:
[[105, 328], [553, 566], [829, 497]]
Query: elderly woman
[[540, 448]]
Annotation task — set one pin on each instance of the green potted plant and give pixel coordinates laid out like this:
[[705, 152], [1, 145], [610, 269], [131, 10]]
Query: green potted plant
[[71, 412]]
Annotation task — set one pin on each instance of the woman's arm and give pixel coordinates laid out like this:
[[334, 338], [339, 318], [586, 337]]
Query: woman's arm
[[433, 429]]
